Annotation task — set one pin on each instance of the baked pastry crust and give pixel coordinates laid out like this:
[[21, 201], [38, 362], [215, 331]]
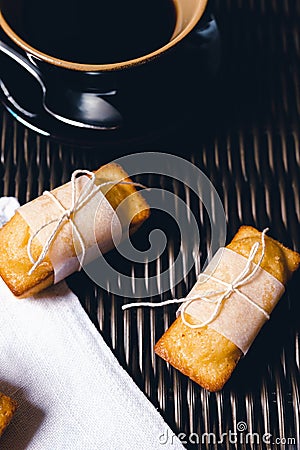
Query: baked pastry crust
[[7, 409], [14, 236], [203, 354]]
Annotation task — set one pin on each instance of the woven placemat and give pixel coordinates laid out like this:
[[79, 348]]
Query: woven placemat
[[250, 151]]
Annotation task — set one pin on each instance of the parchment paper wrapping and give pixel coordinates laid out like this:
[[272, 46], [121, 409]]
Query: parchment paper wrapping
[[96, 220], [238, 320]]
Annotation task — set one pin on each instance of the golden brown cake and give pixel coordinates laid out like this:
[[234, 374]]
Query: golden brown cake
[[14, 260], [7, 409], [203, 354]]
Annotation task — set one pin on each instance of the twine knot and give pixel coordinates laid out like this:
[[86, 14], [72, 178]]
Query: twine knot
[[231, 288], [68, 213]]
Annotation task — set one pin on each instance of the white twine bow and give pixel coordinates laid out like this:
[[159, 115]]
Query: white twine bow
[[246, 275], [68, 214]]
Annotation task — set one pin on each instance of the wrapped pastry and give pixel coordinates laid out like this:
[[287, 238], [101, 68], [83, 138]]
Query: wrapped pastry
[[7, 409], [227, 307], [50, 237]]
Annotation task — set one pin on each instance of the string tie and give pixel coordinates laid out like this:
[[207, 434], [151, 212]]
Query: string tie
[[68, 214], [226, 289]]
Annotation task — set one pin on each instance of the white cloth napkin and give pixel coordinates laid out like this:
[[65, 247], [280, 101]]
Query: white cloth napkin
[[72, 392]]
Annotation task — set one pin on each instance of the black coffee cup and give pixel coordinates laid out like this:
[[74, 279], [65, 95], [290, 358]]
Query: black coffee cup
[[81, 58]]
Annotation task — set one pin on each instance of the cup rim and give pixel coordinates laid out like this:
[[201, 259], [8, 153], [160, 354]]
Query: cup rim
[[84, 67]]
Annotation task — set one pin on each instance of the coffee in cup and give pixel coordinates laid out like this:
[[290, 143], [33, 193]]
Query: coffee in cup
[[97, 31]]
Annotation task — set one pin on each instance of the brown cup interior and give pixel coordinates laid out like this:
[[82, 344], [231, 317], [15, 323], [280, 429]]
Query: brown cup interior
[[188, 13]]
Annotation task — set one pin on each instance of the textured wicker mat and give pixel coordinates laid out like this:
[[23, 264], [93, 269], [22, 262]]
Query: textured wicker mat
[[251, 153]]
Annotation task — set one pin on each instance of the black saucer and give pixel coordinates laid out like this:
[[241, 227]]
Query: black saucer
[[22, 97], [27, 109], [46, 125]]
